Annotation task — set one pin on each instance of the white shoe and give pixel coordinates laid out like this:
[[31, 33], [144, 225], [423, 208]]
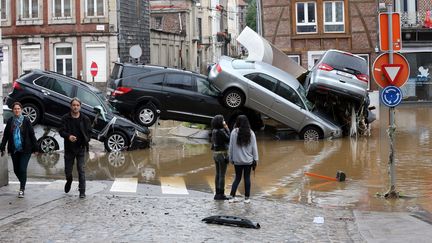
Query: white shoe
[[21, 194], [247, 200], [233, 200]]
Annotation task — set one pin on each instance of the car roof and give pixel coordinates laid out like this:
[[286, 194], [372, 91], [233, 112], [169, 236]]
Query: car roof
[[344, 52], [142, 65], [262, 67], [71, 79]]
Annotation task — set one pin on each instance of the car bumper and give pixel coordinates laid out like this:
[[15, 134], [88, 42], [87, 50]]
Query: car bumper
[[341, 92], [140, 141], [123, 107]]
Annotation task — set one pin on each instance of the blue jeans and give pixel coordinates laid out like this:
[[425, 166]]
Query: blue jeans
[[246, 171], [20, 162], [69, 159], [221, 162]]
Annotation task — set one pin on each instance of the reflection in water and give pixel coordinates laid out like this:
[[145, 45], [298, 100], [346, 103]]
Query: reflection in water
[[280, 172]]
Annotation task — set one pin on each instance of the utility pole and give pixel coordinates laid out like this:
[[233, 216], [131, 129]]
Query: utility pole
[[259, 24]]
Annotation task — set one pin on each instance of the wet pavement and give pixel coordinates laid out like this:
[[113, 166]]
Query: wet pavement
[[283, 196]]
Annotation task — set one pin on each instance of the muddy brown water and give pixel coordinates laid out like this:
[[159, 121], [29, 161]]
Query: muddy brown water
[[280, 173]]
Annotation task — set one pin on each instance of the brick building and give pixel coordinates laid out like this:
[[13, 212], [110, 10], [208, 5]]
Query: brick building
[[66, 36]]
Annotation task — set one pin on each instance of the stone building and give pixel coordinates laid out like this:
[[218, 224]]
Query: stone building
[[66, 36]]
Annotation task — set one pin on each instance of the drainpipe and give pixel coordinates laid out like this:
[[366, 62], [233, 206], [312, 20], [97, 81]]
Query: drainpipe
[[259, 18]]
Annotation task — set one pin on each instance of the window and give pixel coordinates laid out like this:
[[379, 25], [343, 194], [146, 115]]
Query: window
[[295, 58], [62, 87], [63, 60], [204, 87], [149, 80], [29, 9], [158, 22], [306, 17], [180, 81], [3, 10], [334, 16], [44, 81], [94, 8], [289, 94], [62, 8], [263, 80], [88, 98]]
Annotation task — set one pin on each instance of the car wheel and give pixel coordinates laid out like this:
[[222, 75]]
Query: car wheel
[[32, 112], [146, 115], [311, 133], [233, 98], [116, 141], [47, 144]]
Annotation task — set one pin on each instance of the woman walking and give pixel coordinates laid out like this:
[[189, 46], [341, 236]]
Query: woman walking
[[21, 140], [220, 142], [243, 153]]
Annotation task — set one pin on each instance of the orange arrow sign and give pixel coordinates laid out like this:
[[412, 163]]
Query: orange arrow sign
[[392, 71]]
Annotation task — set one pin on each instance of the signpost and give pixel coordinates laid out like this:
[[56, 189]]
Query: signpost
[[93, 70], [390, 71]]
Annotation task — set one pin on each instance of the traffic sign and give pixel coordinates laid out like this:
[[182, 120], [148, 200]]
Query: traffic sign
[[384, 72], [396, 32], [93, 69], [391, 96]]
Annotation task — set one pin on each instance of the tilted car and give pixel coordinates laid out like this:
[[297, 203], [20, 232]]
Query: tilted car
[[337, 84], [270, 91], [46, 97], [168, 93]]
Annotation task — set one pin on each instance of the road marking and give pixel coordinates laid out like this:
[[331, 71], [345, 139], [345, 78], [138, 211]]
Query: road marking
[[173, 185], [32, 182], [124, 185]]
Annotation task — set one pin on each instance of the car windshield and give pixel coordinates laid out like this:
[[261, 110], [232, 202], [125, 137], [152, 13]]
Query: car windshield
[[302, 93], [345, 62], [204, 87], [105, 102]]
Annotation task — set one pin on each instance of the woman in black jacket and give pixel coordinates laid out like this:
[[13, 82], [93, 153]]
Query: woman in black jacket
[[21, 140], [220, 142]]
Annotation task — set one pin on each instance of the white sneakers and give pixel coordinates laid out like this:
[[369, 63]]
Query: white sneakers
[[21, 194], [236, 199]]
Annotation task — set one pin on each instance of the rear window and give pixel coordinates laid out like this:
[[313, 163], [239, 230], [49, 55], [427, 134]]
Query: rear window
[[115, 71], [346, 62]]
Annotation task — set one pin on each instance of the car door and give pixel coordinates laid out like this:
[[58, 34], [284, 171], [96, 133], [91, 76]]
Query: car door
[[180, 96], [261, 91], [88, 101], [57, 94], [287, 107], [208, 98]]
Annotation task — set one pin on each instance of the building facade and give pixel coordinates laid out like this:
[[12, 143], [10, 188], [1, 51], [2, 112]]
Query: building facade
[[67, 36]]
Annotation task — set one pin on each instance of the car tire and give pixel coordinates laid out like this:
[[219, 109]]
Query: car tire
[[233, 98], [47, 144], [116, 141], [32, 112], [146, 115], [311, 133]]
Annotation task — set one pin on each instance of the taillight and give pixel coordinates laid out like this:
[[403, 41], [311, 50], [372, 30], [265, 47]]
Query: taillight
[[121, 91], [325, 67], [218, 68], [363, 77], [16, 85]]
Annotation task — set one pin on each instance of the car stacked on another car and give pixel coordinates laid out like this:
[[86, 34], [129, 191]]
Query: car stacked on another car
[[145, 93], [46, 97], [273, 92]]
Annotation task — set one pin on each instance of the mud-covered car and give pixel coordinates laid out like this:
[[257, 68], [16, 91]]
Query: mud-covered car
[[270, 91], [337, 84]]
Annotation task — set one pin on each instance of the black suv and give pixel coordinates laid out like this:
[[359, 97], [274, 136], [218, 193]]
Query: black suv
[[145, 92], [46, 97]]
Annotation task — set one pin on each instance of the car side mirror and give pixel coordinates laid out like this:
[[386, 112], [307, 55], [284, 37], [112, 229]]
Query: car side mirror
[[99, 112]]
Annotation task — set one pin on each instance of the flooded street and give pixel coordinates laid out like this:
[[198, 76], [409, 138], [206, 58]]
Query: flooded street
[[280, 173]]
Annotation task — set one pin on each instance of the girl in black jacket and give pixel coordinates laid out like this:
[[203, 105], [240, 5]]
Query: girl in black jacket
[[21, 140], [220, 142]]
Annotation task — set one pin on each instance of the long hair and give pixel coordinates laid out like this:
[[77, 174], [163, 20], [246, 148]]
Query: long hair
[[244, 134], [217, 122]]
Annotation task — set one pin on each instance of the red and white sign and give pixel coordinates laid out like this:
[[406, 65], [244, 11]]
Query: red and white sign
[[395, 74], [93, 69]]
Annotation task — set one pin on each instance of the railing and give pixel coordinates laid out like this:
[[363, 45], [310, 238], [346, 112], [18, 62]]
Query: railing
[[414, 19]]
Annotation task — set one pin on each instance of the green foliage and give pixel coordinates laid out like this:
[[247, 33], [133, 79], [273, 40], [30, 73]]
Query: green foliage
[[251, 14]]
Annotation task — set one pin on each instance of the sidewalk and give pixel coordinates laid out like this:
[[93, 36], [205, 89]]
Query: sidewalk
[[46, 214]]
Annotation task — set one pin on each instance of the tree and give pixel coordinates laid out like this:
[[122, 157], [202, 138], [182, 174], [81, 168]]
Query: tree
[[251, 14]]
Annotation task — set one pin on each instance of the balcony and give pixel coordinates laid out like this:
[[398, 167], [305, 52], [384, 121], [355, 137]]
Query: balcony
[[416, 28]]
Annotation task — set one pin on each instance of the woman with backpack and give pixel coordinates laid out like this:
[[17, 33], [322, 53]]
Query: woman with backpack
[[243, 153]]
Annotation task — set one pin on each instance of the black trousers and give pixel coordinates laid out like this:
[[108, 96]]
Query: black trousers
[[20, 162], [246, 171], [221, 162], [69, 159]]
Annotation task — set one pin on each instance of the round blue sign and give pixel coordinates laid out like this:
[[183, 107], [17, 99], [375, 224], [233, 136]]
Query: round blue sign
[[391, 96]]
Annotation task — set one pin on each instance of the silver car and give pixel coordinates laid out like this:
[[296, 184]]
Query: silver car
[[270, 91]]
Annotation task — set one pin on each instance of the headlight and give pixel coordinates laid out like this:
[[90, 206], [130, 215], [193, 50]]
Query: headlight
[[142, 135]]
